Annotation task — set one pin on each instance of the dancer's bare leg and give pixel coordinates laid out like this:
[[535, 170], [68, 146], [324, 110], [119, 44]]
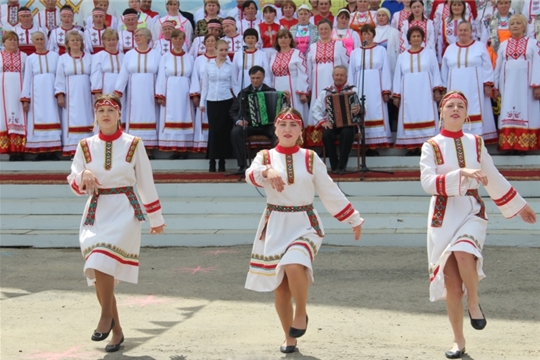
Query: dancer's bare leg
[[284, 308], [454, 301], [298, 284], [467, 270], [105, 291]]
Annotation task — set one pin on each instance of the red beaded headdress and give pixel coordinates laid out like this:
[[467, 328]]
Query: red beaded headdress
[[167, 24], [106, 102], [130, 16], [25, 12], [98, 12], [454, 96], [214, 25], [66, 12], [229, 22], [290, 116]]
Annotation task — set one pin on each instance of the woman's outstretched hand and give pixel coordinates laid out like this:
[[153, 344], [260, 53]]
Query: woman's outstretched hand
[[157, 230], [528, 215], [475, 174], [357, 230]]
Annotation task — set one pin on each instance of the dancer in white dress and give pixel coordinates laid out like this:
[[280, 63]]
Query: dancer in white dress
[[453, 166], [106, 167], [44, 131], [290, 231]]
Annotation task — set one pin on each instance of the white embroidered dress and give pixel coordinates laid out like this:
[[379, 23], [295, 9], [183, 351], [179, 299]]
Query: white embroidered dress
[[44, 131], [110, 231], [200, 125], [290, 230], [457, 220]]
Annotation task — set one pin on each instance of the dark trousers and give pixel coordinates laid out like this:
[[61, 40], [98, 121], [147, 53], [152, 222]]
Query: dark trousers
[[239, 143], [219, 126], [346, 139]]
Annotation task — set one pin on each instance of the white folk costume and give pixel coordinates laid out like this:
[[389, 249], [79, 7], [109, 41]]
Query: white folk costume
[[200, 125], [349, 38], [44, 129], [48, 19], [111, 22], [143, 21], [251, 58], [468, 69], [57, 38], [517, 74], [417, 76], [25, 37], [429, 31], [389, 38], [378, 82], [12, 116], [179, 22], [447, 33], [457, 219], [164, 46], [9, 16], [288, 72], [110, 230], [443, 11], [236, 44], [197, 47], [399, 18], [127, 41], [531, 10], [321, 60], [267, 37], [175, 130], [105, 70], [138, 75], [93, 40], [73, 81], [290, 230], [245, 24], [361, 18]]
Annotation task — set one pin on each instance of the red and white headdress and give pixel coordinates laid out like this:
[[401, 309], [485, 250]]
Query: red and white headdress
[[290, 116], [98, 12], [106, 102], [131, 16], [454, 96], [229, 22], [167, 23], [66, 12]]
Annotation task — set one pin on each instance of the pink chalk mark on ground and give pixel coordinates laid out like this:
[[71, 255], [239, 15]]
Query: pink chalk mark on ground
[[72, 353], [149, 300], [217, 252], [195, 270]]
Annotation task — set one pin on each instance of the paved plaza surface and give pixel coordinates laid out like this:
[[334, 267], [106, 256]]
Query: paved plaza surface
[[190, 303]]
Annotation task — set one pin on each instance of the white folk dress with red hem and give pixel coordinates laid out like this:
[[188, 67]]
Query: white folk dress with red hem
[[57, 38], [457, 219], [290, 230], [44, 129], [200, 125], [110, 231]]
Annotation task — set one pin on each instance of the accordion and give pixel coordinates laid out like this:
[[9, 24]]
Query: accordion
[[263, 107], [338, 109]]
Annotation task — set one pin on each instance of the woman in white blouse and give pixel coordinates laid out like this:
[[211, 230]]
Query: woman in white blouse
[[218, 88]]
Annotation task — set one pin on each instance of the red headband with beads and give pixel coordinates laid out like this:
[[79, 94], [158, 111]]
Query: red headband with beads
[[290, 116], [229, 22], [454, 96], [106, 102]]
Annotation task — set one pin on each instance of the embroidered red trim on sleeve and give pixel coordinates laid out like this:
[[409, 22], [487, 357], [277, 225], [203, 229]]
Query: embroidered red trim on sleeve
[[132, 148], [479, 142], [345, 213], [309, 161], [152, 207], [86, 151], [440, 183], [439, 160], [506, 198], [252, 179], [76, 188]]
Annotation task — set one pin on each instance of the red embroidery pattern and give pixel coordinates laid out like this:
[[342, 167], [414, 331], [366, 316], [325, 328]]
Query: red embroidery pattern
[[132, 148], [86, 151], [439, 211], [423, 25], [290, 169], [439, 160], [433, 272], [345, 213], [474, 193], [266, 157], [517, 48], [310, 157], [11, 62], [440, 184], [252, 179], [469, 239], [128, 190], [479, 142], [460, 153], [325, 52], [403, 15], [506, 198], [307, 208], [108, 155], [306, 244], [152, 207], [280, 67]]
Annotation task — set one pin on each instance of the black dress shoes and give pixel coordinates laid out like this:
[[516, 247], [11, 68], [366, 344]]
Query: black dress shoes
[[212, 167], [287, 349], [114, 347], [455, 354], [98, 336], [296, 333], [41, 157], [221, 166], [478, 324]]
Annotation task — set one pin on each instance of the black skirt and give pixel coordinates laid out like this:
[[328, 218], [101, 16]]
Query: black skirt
[[220, 125]]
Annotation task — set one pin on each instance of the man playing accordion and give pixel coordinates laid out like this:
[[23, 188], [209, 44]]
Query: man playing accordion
[[337, 110], [256, 115]]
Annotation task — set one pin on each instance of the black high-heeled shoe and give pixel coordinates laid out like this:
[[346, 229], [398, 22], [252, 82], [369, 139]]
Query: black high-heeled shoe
[[288, 349], [114, 347], [455, 354], [221, 167], [296, 333], [212, 167], [98, 336], [478, 324]]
